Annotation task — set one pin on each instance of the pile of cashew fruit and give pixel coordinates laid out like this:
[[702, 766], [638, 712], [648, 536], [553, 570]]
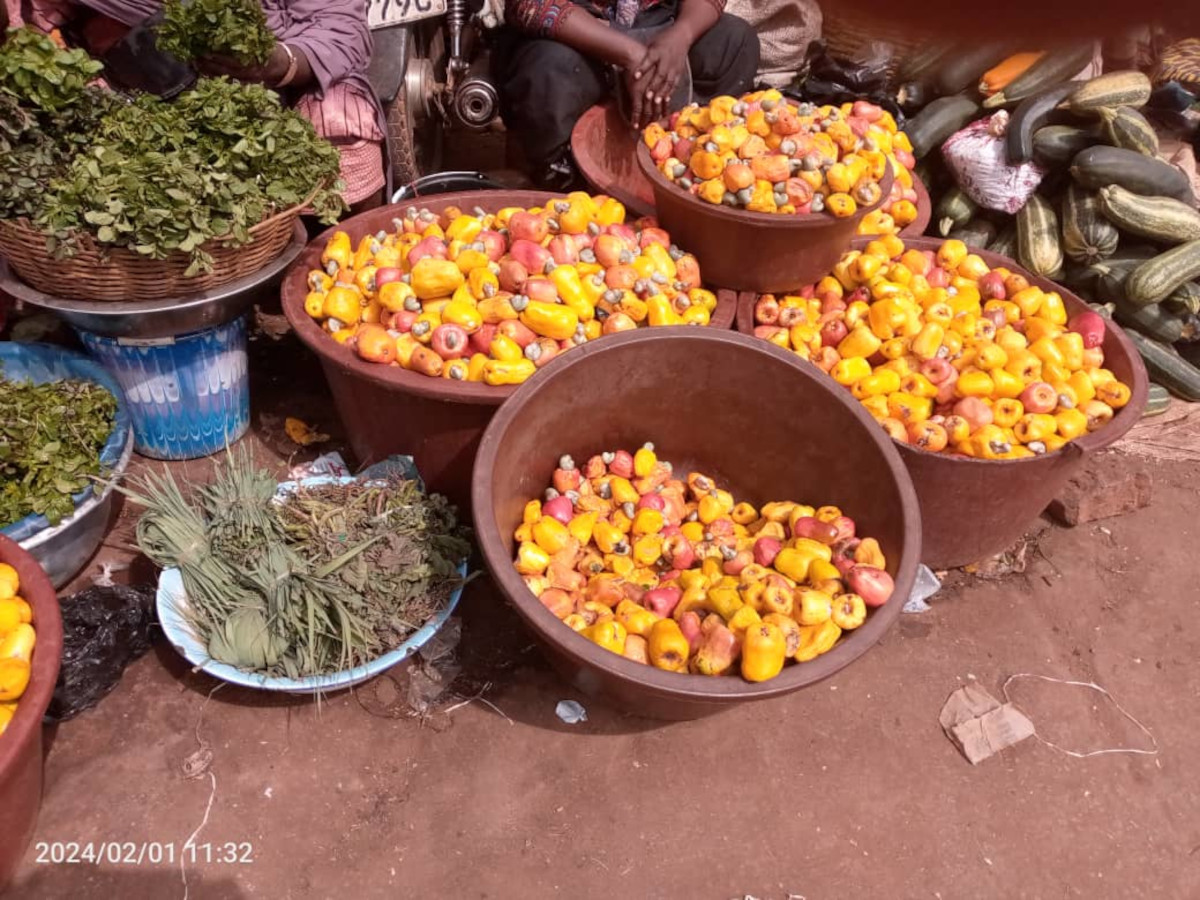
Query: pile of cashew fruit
[[948, 354], [676, 574], [17, 638], [493, 297], [765, 153]]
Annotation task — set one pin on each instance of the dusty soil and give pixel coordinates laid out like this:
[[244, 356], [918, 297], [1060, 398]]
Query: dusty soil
[[849, 789]]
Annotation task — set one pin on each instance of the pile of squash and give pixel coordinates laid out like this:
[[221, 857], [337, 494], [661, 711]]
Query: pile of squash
[[1111, 220]]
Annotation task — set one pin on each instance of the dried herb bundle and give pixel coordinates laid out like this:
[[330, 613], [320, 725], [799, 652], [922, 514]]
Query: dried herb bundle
[[51, 436], [199, 28], [324, 580]]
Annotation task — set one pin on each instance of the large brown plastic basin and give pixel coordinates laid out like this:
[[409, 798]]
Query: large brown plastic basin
[[974, 508], [752, 251], [605, 149], [21, 743], [388, 409], [756, 418], [604, 146]]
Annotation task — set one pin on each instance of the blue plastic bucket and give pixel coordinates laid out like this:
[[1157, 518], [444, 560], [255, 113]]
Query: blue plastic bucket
[[188, 396]]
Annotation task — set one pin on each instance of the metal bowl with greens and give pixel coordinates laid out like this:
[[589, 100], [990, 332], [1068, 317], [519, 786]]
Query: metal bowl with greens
[[301, 586]]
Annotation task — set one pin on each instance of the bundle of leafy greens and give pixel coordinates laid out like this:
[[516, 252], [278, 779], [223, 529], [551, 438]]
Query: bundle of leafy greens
[[51, 436], [152, 176], [232, 28], [326, 579]]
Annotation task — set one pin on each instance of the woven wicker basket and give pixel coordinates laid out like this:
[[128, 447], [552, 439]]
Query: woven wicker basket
[[848, 35], [94, 273]]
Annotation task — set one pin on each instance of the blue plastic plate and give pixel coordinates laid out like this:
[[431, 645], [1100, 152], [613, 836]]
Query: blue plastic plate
[[41, 363], [172, 613]]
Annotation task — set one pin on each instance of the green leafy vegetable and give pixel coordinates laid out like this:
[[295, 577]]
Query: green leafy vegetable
[[151, 176], [200, 28], [35, 69], [51, 436]]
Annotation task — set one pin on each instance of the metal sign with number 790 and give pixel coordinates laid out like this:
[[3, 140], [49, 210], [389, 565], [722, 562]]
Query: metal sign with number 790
[[385, 13]]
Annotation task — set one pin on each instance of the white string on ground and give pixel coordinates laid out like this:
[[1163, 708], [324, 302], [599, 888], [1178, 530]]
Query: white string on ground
[[191, 841], [1077, 754]]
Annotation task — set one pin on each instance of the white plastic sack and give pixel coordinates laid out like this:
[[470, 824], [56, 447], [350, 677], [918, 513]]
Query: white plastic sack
[[979, 162]]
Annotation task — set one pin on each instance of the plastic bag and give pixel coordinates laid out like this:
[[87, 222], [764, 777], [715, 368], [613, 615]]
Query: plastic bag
[[832, 80], [104, 630], [977, 158]]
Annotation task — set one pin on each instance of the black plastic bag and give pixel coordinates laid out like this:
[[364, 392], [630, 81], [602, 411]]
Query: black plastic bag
[[833, 80], [104, 630]]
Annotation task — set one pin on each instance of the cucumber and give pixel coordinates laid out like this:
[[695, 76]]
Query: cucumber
[[1185, 299], [1087, 236], [1108, 281], [937, 121], [961, 69], [1057, 145], [1111, 89], [1158, 401], [1167, 367], [1127, 128], [1157, 278], [976, 234], [1052, 68], [1097, 167], [1029, 115], [912, 96], [1005, 243], [1038, 247], [1152, 321], [1161, 219], [954, 209]]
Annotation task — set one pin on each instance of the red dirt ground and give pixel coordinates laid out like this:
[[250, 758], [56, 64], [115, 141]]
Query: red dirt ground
[[847, 790]]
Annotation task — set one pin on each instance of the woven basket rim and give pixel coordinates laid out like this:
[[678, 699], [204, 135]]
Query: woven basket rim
[[87, 241]]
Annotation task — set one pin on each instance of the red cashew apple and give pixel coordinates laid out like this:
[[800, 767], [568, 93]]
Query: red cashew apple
[[679, 552], [512, 276], [532, 256], [1090, 325], [481, 338], [975, 411], [525, 226], [690, 625], [991, 287], [387, 275], [541, 290], [622, 464], [652, 501], [874, 585], [449, 341], [427, 247], [766, 549], [740, 560], [559, 508], [662, 600], [1039, 397], [494, 244], [563, 250], [814, 529], [517, 331]]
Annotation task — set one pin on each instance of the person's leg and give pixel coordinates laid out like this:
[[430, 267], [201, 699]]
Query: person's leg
[[547, 88], [725, 59]]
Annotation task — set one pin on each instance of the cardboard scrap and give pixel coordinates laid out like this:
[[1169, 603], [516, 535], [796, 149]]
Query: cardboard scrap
[[980, 726]]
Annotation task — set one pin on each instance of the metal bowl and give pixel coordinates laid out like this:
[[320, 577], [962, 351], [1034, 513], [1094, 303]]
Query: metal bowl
[[173, 613], [63, 549], [148, 319]]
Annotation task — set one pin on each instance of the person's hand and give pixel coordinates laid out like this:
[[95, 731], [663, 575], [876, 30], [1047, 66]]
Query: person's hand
[[270, 74], [653, 80]]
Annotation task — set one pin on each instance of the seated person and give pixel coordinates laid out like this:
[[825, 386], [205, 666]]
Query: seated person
[[319, 65], [554, 67]]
